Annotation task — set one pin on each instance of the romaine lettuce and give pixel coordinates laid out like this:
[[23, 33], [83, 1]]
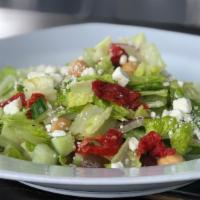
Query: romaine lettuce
[[181, 139], [90, 120], [18, 129], [43, 84]]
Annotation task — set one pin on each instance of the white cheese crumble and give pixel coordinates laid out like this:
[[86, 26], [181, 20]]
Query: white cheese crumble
[[133, 143], [13, 107], [31, 75], [48, 128], [182, 104], [177, 114], [132, 59], [57, 133], [88, 71], [57, 78], [117, 165], [100, 71], [180, 83], [120, 76], [50, 69], [123, 59], [153, 114]]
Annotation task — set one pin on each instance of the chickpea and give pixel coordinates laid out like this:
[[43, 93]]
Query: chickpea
[[77, 67], [172, 159], [129, 67], [61, 124]]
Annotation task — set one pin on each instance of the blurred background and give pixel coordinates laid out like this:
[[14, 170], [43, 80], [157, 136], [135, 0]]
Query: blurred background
[[21, 16]]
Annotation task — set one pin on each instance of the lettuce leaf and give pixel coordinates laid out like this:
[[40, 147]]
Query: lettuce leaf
[[8, 76], [149, 54], [147, 82], [43, 84], [13, 151], [93, 55], [18, 129], [80, 94], [164, 126], [90, 120], [43, 154], [127, 157], [182, 138], [121, 113]]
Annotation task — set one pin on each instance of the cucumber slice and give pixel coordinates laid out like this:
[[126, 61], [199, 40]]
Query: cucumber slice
[[63, 145]]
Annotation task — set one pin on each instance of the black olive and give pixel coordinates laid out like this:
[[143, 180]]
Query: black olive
[[94, 161], [148, 160]]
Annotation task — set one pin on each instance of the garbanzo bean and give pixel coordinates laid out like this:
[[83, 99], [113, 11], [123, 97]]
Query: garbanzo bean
[[77, 67], [172, 159], [61, 124], [129, 67]]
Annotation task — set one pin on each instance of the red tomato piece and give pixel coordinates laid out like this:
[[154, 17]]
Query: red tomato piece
[[16, 96], [116, 94], [106, 145], [115, 53], [153, 145]]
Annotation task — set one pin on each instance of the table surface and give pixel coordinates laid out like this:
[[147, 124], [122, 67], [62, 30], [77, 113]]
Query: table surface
[[29, 15]]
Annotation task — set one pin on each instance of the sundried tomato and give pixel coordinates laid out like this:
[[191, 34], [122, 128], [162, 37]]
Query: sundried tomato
[[16, 96], [153, 145], [115, 53], [105, 145], [116, 94]]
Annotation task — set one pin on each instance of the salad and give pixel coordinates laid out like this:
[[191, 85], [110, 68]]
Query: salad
[[115, 106]]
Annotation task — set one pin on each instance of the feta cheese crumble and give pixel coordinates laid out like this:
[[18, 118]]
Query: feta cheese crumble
[[13, 107], [57, 133], [123, 59], [133, 143], [31, 75], [180, 83], [153, 114], [177, 114], [88, 72], [48, 128], [120, 76], [182, 104], [132, 59]]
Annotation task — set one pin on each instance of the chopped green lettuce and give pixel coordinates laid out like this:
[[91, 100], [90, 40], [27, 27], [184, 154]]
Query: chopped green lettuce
[[80, 94], [181, 139], [163, 126], [149, 53], [18, 129], [121, 113], [63, 145], [126, 156], [43, 154], [43, 84], [28, 148], [162, 93], [13, 151], [147, 82], [98, 57], [90, 120], [8, 76]]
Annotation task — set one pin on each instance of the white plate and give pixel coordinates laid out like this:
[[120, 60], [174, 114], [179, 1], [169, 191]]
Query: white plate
[[58, 45]]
